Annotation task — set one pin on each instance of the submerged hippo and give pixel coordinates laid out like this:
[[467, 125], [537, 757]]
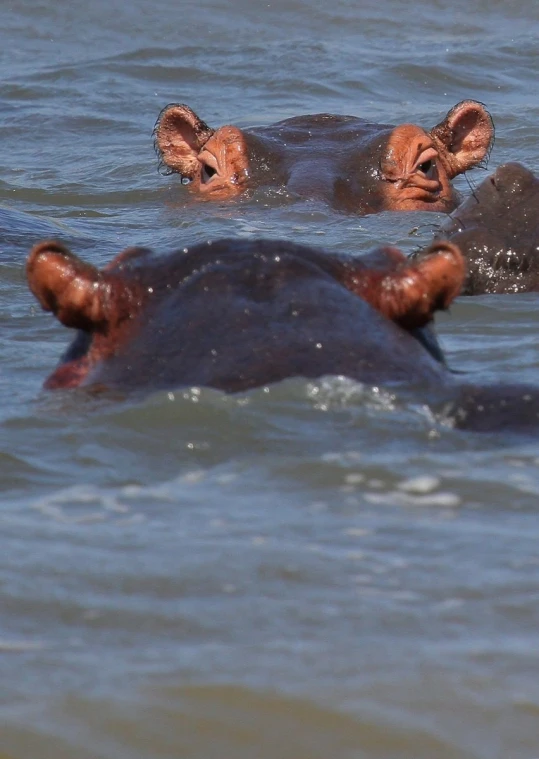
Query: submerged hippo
[[352, 164], [497, 230], [237, 314]]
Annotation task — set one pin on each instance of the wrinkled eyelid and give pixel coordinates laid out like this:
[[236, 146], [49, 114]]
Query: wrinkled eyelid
[[429, 154], [208, 159], [208, 166]]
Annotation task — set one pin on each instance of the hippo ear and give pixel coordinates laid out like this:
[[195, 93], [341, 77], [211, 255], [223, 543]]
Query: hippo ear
[[74, 291], [179, 135], [410, 294], [465, 136]]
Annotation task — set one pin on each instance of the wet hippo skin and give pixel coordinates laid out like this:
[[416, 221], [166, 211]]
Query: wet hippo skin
[[237, 314], [497, 230], [352, 164]]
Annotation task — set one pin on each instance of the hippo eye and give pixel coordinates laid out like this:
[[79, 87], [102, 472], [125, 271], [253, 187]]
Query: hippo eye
[[208, 172], [426, 163], [426, 167], [209, 166]]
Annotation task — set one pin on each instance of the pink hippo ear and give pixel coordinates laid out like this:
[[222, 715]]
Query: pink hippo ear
[[409, 292], [75, 292], [179, 137], [464, 138]]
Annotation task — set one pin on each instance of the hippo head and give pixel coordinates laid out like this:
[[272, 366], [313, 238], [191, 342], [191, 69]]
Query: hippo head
[[497, 230], [236, 314], [353, 164]]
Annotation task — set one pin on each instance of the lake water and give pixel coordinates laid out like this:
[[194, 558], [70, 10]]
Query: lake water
[[308, 571]]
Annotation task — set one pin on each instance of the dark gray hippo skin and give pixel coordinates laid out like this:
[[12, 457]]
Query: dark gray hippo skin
[[236, 314], [497, 231], [352, 164]]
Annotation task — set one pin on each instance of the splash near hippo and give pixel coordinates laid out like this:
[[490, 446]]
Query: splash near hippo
[[352, 164]]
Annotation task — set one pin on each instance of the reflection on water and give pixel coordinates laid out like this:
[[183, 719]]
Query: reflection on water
[[313, 569]]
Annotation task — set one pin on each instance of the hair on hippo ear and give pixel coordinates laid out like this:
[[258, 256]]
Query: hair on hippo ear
[[410, 293], [179, 135], [73, 290], [465, 136]]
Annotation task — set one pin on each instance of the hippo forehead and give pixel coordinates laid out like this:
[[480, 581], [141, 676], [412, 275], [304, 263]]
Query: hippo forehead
[[323, 156], [323, 133], [329, 127]]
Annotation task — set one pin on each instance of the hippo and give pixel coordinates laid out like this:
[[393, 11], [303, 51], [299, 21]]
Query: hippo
[[352, 164], [239, 314], [497, 230]]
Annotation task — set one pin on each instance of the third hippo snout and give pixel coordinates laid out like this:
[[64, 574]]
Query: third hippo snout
[[497, 230]]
